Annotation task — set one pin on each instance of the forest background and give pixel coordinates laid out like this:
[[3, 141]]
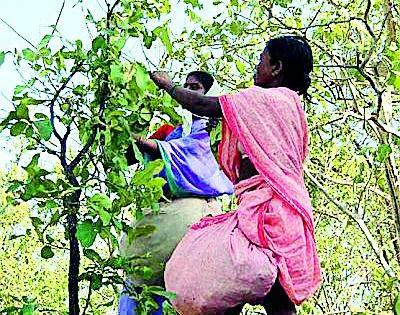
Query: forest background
[[75, 87]]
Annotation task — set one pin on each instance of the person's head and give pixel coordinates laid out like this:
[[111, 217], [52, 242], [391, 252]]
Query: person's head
[[199, 81], [286, 61]]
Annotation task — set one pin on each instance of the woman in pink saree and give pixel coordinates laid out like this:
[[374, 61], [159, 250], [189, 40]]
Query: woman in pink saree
[[265, 251]]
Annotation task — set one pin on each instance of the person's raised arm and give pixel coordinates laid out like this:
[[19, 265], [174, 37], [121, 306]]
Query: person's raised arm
[[145, 145], [196, 103]]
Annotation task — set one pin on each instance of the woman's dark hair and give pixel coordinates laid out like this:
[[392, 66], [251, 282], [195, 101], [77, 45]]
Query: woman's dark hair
[[204, 78], [297, 61]]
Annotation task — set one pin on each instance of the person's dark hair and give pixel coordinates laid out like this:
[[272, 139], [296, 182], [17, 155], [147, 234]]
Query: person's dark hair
[[297, 61], [205, 78]]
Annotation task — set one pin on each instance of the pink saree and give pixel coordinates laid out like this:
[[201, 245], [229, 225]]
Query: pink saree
[[236, 257]]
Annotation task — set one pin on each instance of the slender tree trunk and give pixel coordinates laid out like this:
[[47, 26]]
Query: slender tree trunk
[[74, 261]]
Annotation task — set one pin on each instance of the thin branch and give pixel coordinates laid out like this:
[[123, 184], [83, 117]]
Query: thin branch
[[360, 222], [111, 10], [88, 297], [56, 95], [15, 31], [58, 18]]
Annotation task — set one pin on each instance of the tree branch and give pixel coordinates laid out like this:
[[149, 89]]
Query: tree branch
[[360, 222]]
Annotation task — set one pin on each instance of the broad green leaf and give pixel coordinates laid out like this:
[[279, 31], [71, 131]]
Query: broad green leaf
[[44, 127], [104, 216], [397, 305], [11, 116], [240, 66], [100, 200], [151, 169], [44, 41], [92, 255], [46, 252], [2, 57], [142, 77], [55, 217], [29, 54], [86, 233], [28, 309], [383, 152], [159, 291], [22, 112], [145, 114], [33, 168], [37, 223], [18, 89], [116, 73], [30, 101], [18, 128], [96, 281], [99, 43], [162, 32]]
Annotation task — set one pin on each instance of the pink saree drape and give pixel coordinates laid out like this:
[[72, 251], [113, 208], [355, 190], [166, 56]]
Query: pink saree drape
[[234, 258]]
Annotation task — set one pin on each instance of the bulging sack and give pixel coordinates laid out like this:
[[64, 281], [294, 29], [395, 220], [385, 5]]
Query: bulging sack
[[171, 222]]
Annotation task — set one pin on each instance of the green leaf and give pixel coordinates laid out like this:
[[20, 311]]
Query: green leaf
[[18, 128], [104, 216], [86, 233], [162, 33], [18, 89], [92, 255], [194, 3], [11, 116], [37, 222], [29, 54], [28, 309], [240, 66], [55, 217], [33, 168], [22, 112], [45, 41], [99, 43], [46, 252], [159, 291], [96, 281], [383, 152], [396, 305], [2, 57], [152, 168], [30, 101], [116, 73], [145, 114], [44, 127], [142, 77]]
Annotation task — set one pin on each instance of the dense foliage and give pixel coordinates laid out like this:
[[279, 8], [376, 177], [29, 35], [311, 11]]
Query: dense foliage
[[81, 103]]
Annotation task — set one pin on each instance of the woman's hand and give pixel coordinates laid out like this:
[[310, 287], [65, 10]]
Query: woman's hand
[[162, 80]]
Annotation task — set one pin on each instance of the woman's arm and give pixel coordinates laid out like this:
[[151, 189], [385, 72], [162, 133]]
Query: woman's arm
[[196, 103], [145, 145]]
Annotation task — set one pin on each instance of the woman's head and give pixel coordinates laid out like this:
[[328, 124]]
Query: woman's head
[[286, 61], [199, 81]]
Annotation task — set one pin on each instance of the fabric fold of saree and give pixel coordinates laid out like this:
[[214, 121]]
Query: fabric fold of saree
[[270, 125], [271, 233], [190, 167]]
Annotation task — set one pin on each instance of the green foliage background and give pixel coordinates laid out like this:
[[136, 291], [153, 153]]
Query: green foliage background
[[97, 95]]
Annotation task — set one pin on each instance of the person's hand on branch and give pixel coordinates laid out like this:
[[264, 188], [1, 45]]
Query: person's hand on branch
[[162, 80]]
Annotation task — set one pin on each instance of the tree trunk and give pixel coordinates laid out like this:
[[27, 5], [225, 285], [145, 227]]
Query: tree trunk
[[74, 260]]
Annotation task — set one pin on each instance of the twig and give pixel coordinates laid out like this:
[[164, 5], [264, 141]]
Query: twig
[[88, 297], [58, 18], [360, 222], [14, 30], [56, 95]]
